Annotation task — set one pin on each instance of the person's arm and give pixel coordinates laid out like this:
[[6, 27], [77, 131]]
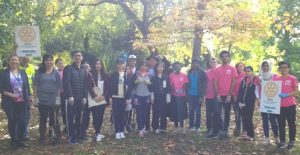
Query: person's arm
[[67, 80], [90, 85]]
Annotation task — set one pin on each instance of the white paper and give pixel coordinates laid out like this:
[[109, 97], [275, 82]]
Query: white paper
[[270, 100], [28, 41], [164, 84]]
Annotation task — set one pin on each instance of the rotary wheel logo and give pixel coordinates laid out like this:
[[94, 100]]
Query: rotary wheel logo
[[271, 89], [27, 34]]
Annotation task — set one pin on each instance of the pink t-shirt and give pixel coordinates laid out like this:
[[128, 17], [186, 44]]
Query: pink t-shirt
[[177, 83], [289, 84], [238, 81], [225, 74], [211, 77]]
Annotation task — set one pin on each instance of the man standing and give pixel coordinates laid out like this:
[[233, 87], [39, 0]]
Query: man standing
[[30, 72], [224, 84], [76, 93]]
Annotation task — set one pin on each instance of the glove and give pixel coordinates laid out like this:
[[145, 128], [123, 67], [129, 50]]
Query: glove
[[228, 99], [128, 107], [84, 101], [57, 101], [71, 100], [241, 105], [219, 98], [168, 98], [283, 95]]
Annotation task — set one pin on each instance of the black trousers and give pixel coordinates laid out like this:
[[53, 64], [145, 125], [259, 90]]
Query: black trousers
[[159, 109], [16, 121], [98, 112], [287, 114], [118, 106], [247, 116], [75, 119]]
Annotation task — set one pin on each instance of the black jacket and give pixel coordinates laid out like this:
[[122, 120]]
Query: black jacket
[[6, 86], [202, 82], [250, 93], [114, 85], [157, 85], [75, 82]]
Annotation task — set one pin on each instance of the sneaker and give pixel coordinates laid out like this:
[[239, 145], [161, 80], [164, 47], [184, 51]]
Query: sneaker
[[277, 140], [281, 145], [290, 145], [198, 130], [212, 135], [244, 134], [145, 131], [122, 135], [157, 131], [98, 138], [22, 145], [266, 141], [72, 141], [141, 134], [118, 135], [102, 136]]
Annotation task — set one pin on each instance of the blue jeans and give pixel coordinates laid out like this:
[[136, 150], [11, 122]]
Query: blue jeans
[[238, 118], [141, 111], [225, 113], [195, 106], [273, 118]]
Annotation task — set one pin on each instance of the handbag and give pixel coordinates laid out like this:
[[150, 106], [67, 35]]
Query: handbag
[[98, 92], [96, 89]]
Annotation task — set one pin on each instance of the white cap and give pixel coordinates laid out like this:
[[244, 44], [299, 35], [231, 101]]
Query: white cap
[[132, 57]]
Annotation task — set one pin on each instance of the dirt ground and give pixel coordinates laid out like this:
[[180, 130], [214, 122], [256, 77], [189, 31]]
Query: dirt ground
[[189, 143]]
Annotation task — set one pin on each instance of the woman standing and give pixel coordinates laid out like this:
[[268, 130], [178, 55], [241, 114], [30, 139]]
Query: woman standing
[[246, 102], [15, 92], [47, 86], [178, 83], [97, 79], [266, 74], [140, 86], [119, 97], [160, 87], [289, 90], [238, 117]]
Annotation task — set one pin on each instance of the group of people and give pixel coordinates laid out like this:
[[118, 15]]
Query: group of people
[[157, 90]]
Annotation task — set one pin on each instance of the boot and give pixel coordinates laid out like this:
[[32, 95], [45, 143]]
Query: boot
[[42, 129]]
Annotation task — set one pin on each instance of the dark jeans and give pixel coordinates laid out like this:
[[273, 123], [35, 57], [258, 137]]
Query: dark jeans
[[98, 112], [86, 119], [27, 120], [16, 121], [194, 107], [148, 113], [217, 112], [225, 113], [210, 104], [247, 113], [63, 108], [287, 114], [118, 106], [75, 112], [159, 109], [142, 111], [238, 118], [273, 118], [51, 113]]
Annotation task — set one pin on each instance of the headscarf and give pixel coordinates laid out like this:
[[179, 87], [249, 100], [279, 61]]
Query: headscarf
[[266, 75]]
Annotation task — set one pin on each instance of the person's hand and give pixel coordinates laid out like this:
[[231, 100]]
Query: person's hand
[[71, 100], [147, 82], [228, 99], [57, 101], [283, 95], [36, 102], [219, 98], [241, 105], [99, 98], [84, 101], [128, 101], [110, 101], [200, 101], [136, 101], [234, 99]]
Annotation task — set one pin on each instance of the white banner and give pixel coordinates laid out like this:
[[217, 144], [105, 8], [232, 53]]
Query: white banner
[[28, 41], [270, 100]]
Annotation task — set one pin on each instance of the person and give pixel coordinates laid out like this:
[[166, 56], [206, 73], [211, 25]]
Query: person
[[47, 86], [266, 74], [59, 63], [213, 118], [246, 102], [140, 84], [238, 117], [224, 84], [131, 70], [196, 91], [160, 87], [75, 81], [289, 89], [178, 82], [99, 79], [119, 96], [15, 94], [30, 71]]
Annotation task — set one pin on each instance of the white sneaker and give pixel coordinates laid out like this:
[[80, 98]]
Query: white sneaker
[[98, 137], [266, 141], [157, 131], [118, 135], [102, 136], [122, 135]]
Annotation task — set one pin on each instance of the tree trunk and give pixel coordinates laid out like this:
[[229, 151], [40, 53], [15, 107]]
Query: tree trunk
[[197, 46]]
